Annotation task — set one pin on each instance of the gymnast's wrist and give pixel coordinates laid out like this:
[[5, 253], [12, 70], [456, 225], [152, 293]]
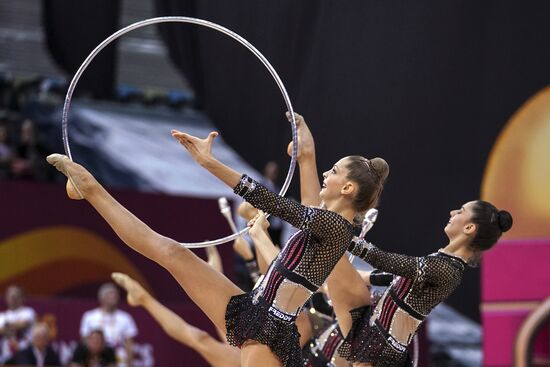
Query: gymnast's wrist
[[208, 162], [306, 159], [146, 300], [254, 233]]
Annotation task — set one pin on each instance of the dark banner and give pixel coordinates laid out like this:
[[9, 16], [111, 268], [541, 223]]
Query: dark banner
[[73, 29], [426, 85]]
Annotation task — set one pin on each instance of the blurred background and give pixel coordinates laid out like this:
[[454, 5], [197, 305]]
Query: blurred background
[[454, 95]]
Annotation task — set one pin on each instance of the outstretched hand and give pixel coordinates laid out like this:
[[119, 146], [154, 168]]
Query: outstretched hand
[[306, 144], [200, 149]]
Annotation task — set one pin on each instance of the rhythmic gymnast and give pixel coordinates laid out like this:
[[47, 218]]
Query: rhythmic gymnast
[[260, 322], [308, 324], [320, 335], [217, 353], [380, 337]]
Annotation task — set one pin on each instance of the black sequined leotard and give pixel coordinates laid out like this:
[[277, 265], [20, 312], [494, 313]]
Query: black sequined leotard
[[267, 314], [381, 338], [321, 351]]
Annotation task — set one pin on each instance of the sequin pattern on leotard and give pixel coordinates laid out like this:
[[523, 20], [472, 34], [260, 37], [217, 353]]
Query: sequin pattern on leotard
[[300, 269], [321, 351], [420, 285]]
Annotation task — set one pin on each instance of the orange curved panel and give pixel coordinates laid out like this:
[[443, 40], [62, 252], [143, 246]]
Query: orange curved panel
[[68, 256], [61, 276], [517, 176]]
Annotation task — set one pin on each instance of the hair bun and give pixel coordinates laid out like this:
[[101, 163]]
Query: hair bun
[[505, 220], [381, 167]]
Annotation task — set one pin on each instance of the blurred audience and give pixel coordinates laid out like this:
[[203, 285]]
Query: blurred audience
[[6, 151], [94, 352], [118, 327], [28, 161], [39, 353], [22, 150], [15, 323]]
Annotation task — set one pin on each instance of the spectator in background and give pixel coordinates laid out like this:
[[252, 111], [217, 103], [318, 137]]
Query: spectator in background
[[118, 327], [39, 353], [15, 323], [94, 352], [28, 162], [6, 152]]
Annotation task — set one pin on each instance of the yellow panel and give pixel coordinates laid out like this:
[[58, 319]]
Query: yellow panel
[[517, 176], [61, 244]]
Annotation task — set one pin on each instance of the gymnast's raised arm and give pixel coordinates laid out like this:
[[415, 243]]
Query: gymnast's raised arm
[[300, 216], [309, 176]]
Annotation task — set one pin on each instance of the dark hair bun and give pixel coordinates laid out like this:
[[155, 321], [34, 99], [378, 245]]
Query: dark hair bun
[[381, 167], [505, 220]]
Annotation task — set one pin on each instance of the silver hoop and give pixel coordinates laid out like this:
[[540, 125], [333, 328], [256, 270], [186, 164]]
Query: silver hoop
[[219, 28]]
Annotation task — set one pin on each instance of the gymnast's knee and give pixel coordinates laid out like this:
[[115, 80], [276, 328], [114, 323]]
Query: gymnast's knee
[[173, 253]]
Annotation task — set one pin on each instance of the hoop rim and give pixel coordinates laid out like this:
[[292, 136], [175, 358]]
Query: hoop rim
[[211, 25]]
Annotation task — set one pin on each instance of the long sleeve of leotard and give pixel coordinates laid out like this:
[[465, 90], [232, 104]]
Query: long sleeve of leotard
[[321, 223], [397, 264]]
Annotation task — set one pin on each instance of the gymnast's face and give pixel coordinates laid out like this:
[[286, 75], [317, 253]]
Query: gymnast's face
[[335, 181], [460, 221]]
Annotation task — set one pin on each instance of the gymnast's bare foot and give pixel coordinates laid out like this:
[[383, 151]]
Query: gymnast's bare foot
[[136, 293], [79, 180]]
